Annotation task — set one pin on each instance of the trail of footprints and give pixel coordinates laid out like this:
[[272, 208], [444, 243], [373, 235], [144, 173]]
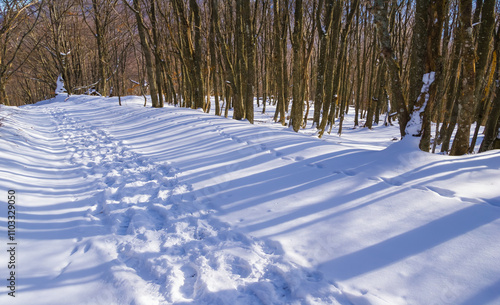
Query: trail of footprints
[[149, 211], [391, 182]]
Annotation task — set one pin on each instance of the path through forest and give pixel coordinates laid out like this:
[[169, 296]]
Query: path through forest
[[134, 205]]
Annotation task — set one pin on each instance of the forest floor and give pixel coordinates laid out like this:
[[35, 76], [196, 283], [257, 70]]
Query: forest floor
[[135, 205]]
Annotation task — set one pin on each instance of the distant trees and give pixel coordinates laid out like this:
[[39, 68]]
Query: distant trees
[[102, 14], [17, 21], [430, 66]]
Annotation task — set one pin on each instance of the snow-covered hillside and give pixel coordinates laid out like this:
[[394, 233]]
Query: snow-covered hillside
[[134, 205]]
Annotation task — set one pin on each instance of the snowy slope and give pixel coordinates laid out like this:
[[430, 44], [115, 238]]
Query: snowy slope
[[134, 205]]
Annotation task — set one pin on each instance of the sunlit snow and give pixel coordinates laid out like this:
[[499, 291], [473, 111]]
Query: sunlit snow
[[135, 205]]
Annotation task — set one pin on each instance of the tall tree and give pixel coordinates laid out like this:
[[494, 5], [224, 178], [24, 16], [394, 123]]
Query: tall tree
[[250, 38], [484, 43], [491, 135], [330, 98], [393, 68], [431, 14], [146, 50], [190, 48], [323, 29], [213, 53], [280, 37], [17, 20], [297, 70], [466, 98]]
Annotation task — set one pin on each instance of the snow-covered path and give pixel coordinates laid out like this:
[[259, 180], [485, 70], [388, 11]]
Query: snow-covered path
[[134, 205]]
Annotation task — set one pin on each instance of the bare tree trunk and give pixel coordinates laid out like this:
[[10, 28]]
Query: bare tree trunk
[[3, 94], [240, 67], [101, 16], [323, 44], [156, 51], [213, 57], [397, 96], [371, 100], [493, 124], [297, 49], [330, 99], [279, 41], [429, 26], [249, 36], [418, 51], [483, 51], [333, 91], [146, 49], [198, 94], [466, 99]]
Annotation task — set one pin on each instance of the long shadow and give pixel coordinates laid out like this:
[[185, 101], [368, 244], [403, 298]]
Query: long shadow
[[71, 278], [488, 295], [410, 243], [296, 177]]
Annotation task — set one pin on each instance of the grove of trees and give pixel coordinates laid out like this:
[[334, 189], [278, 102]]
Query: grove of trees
[[412, 62]]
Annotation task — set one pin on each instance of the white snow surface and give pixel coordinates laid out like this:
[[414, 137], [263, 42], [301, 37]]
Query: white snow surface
[[60, 89], [414, 126], [135, 205]]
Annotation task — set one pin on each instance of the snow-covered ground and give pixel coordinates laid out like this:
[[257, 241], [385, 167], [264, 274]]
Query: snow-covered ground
[[134, 205]]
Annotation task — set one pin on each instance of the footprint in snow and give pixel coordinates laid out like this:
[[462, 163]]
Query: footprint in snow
[[191, 285], [240, 267], [349, 172], [314, 276]]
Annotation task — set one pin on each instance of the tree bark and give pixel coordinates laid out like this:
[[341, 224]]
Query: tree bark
[[146, 49], [466, 98], [279, 42], [492, 124], [330, 99], [249, 36], [483, 51], [393, 69], [297, 49], [198, 94], [100, 34], [213, 56], [323, 44]]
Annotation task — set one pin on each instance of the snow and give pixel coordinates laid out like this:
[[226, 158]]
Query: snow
[[414, 126], [60, 89], [135, 205]]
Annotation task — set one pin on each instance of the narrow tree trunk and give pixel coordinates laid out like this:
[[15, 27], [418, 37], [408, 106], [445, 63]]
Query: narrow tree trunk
[[393, 69], [332, 91], [213, 57], [466, 98], [492, 124], [330, 99], [198, 94], [240, 67], [147, 54], [278, 62], [445, 147], [297, 49], [249, 36], [372, 85], [319, 99], [3, 94], [418, 51], [483, 51]]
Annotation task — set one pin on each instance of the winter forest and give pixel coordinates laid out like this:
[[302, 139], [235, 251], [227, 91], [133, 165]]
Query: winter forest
[[250, 152], [372, 55]]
